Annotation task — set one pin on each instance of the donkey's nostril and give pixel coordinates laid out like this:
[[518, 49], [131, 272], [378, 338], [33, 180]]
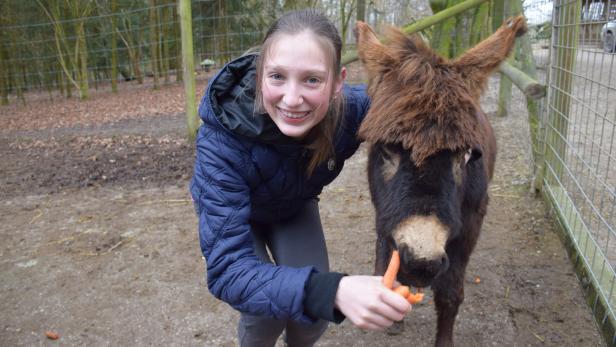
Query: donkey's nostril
[[406, 255]]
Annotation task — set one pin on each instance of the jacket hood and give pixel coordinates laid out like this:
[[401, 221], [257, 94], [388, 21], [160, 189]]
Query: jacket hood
[[231, 96]]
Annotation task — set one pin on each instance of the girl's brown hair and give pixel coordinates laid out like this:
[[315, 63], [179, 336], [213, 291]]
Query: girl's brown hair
[[326, 34]]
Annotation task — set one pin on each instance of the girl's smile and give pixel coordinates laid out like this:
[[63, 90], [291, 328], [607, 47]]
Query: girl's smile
[[294, 117]]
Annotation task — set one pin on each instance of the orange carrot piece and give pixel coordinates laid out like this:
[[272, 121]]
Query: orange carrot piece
[[392, 270], [404, 291], [415, 298]]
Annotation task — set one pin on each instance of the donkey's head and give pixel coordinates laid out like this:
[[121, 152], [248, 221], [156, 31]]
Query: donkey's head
[[432, 148]]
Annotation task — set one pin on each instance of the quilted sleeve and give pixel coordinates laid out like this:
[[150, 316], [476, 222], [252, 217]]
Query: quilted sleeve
[[357, 105], [234, 273]]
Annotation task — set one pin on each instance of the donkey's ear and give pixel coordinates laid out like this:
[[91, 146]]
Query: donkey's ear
[[374, 55], [479, 62]]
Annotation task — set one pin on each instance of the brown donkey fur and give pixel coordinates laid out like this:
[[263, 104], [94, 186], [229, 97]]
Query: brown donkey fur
[[413, 89], [432, 154]]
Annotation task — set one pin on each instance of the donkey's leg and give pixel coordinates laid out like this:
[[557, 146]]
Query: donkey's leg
[[448, 296]]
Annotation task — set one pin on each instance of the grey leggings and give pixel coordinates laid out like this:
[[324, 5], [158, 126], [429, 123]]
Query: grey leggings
[[296, 242]]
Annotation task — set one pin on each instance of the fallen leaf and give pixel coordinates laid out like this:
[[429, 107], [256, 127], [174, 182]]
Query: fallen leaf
[[52, 335]]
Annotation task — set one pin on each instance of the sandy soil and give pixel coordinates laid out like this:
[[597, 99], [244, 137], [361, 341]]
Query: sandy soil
[[100, 245]]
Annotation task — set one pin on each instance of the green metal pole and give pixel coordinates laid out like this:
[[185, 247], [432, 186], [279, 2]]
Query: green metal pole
[[424, 23], [188, 65]]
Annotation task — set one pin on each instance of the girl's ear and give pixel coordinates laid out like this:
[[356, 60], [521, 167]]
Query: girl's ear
[[339, 82]]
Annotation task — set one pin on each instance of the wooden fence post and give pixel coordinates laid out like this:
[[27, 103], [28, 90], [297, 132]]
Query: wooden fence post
[[188, 65], [565, 42], [500, 8]]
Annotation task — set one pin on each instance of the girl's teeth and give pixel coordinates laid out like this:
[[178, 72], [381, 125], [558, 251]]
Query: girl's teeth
[[293, 115]]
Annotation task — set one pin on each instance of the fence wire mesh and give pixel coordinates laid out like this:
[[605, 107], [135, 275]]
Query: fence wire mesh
[[69, 48], [573, 43], [66, 48], [578, 126]]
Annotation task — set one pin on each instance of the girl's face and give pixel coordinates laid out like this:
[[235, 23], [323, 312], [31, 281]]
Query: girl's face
[[298, 83]]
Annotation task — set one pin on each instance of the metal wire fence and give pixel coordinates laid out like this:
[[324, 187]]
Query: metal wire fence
[[50, 45], [45, 44], [52, 48], [578, 126]]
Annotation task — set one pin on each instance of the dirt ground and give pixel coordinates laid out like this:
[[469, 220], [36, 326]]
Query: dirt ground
[[100, 242]]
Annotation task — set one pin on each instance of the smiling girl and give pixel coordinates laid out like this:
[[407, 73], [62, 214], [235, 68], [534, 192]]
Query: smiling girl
[[277, 127]]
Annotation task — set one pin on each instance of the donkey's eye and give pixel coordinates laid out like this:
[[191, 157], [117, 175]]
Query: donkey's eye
[[471, 155], [476, 154], [391, 163]]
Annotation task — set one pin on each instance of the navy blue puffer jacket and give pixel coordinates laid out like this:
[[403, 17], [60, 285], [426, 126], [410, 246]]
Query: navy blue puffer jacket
[[246, 169]]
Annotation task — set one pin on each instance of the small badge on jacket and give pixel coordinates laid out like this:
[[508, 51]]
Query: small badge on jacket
[[331, 164]]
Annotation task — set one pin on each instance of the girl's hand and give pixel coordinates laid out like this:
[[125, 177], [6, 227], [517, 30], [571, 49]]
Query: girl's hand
[[368, 303]]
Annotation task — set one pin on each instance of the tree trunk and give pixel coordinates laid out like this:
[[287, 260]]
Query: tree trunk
[[4, 77], [345, 18], [4, 71], [159, 44], [178, 46], [153, 42], [463, 32], [16, 75], [62, 47], [166, 35], [83, 60], [221, 31], [480, 23], [361, 10], [60, 81], [444, 34], [21, 83], [138, 54], [133, 49], [114, 47]]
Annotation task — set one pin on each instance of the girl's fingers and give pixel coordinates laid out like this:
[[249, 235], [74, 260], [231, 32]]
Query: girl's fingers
[[395, 302], [370, 326], [380, 322], [391, 314]]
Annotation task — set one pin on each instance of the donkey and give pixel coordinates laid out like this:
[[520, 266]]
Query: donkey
[[432, 154]]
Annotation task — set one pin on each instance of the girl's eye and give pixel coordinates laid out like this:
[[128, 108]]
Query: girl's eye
[[313, 80], [276, 76]]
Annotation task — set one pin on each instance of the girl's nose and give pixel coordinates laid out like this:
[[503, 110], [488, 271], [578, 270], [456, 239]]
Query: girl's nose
[[292, 97]]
